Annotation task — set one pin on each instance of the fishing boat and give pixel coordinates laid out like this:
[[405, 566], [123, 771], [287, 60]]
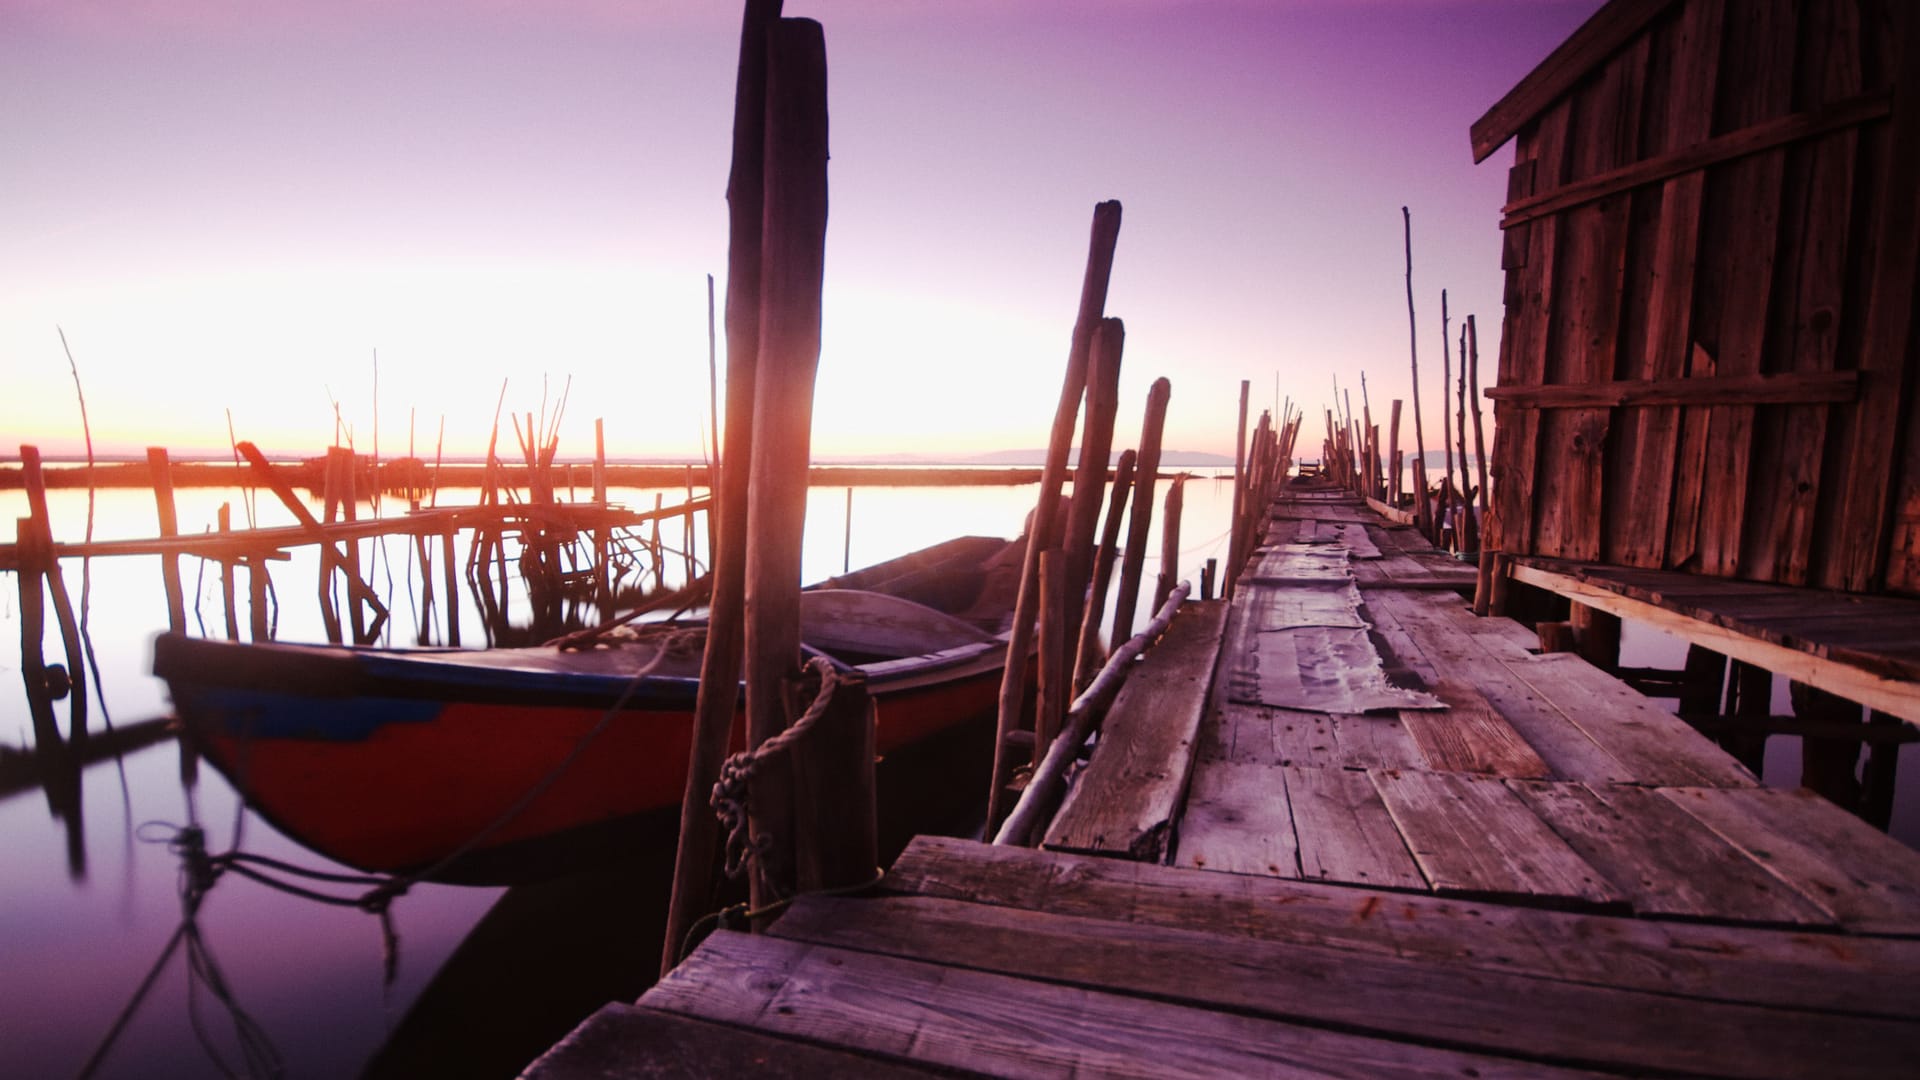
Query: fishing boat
[[509, 764]]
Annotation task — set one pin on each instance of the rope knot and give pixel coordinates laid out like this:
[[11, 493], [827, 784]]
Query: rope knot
[[733, 790]]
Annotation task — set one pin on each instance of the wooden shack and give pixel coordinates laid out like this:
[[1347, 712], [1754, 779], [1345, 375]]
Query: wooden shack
[[1708, 360]]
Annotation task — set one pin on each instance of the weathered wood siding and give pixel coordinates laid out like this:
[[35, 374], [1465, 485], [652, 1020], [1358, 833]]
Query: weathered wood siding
[[1707, 361]]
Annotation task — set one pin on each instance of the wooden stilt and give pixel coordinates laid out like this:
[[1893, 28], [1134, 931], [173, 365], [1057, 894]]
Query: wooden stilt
[[162, 471], [1169, 542], [1087, 655], [1054, 675], [223, 519], [1090, 477], [1422, 509], [1140, 521]]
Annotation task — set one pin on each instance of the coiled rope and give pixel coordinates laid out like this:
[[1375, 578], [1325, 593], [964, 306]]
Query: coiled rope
[[731, 791]]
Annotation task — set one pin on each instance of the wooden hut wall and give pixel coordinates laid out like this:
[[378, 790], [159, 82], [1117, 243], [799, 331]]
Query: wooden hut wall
[[1707, 356]]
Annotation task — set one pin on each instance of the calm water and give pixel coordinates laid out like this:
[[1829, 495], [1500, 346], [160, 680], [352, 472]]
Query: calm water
[[91, 905]]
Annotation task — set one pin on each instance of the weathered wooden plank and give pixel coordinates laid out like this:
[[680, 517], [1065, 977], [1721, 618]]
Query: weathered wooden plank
[[1852, 676], [1739, 251], [1344, 832], [1803, 337], [1395, 998], [1231, 732], [1666, 862], [1877, 494], [1236, 821], [1006, 1026], [1657, 746], [1583, 335], [1470, 737], [1125, 801], [1470, 834], [1589, 46], [1639, 508], [626, 1042], [1824, 972], [1283, 563], [1758, 389], [1375, 741], [1523, 341], [1441, 636], [1865, 879], [1301, 737]]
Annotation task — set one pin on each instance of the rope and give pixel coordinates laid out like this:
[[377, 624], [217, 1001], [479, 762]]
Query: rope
[[730, 792]]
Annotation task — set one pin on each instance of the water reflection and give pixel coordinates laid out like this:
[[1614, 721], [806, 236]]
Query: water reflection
[[484, 978]]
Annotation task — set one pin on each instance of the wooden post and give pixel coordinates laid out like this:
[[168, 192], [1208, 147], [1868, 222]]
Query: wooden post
[[602, 583], [1448, 492], [224, 523], [33, 627], [1146, 473], [1013, 677], [846, 550], [1054, 675], [48, 569], [1468, 527], [1393, 456], [1596, 634], [1555, 636], [1422, 509], [1090, 477], [1482, 592], [686, 531], [793, 258], [162, 475], [1827, 764], [1880, 774], [718, 696], [1750, 690], [1087, 657], [453, 588], [1169, 542], [1702, 683], [653, 543], [258, 583], [1234, 554], [1208, 571], [350, 511], [836, 829]]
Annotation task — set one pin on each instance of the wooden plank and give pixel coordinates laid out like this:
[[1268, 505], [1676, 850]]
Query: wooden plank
[[1375, 741], [1587, 48], [1127, 798], [1758, 389], [1345, 834], [1738, 254], [1403, 1000], [626, 1042], [1806, 314], [1471, 835], [1900, 697], [1524, 337], [1006, 1026], [1299, 737], [1237, 733], [1470, 737], [1236, 821], [1865, 879], [1442, 636], [1823, 972], [1584, 320], [1826, 120], [1639, 510], [1657, 746], [1323, 669], [1666, 862]]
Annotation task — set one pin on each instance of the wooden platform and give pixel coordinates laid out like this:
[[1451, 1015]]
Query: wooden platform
[[1385, 838]]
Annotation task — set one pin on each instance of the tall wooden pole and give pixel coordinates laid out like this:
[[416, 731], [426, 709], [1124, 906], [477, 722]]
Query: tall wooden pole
[[1140, 520], [1234, 554], [1169, 542], [1013, 679], [792, 265], [1465, 526], [1423, 512], [1088, 655], [718, 698], [1483, 586], [1090, 477], [1447, 493]]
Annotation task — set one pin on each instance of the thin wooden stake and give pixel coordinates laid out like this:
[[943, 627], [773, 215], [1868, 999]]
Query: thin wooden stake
[[1140, 520], [1422, 509]]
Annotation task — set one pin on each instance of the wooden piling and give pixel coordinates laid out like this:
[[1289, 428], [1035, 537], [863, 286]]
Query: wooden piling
[[223, 522], [48, 571], [1146, 473], [1087, 654], [1234, 554], [1169, 542], [452, 588], [1596, 636], [258, 586], [1013, 678], [1393, 456], [602, 584], [1422, 509], [1483, 589], [1054, 672], [835, 826], [33, 627], [162, 476], [718, 696], [1090, 476]]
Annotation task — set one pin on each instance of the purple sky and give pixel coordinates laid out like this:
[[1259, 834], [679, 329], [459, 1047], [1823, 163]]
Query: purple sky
[[232, 205]]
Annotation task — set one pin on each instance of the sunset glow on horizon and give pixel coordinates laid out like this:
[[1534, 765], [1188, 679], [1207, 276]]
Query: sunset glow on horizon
[[230, 210]]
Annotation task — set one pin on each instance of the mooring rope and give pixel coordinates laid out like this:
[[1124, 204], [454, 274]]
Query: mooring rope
[[730, 792]]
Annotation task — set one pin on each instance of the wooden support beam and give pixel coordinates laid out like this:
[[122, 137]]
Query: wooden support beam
[[1792, 387], [169, 526], [1895, 697], [1140, 520]]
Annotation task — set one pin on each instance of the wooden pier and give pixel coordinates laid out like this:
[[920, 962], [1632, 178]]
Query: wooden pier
[[1339, 825]]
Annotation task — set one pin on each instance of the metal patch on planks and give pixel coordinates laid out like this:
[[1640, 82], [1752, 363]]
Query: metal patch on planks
[[1310, 647]]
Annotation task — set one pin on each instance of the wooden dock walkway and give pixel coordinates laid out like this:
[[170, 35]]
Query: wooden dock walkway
[[1340, 826]]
